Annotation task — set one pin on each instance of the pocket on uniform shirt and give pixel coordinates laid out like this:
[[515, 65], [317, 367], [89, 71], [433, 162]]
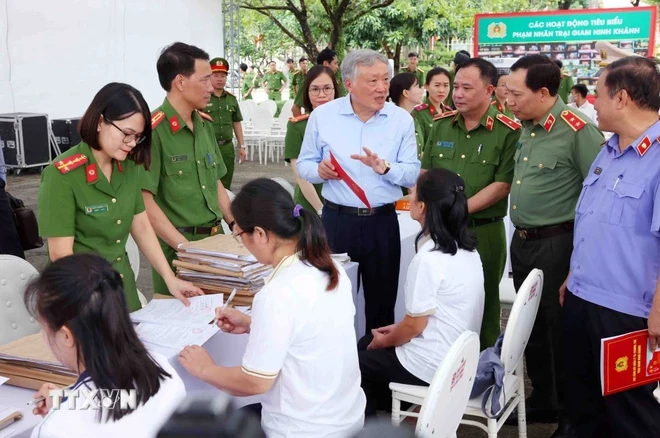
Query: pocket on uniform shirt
[[626, 203], [441, 156], [589, 181], [177, 183]]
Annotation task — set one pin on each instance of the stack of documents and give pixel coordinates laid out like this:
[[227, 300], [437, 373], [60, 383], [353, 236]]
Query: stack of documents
[[219, 264], [28, 362], [168, 323]]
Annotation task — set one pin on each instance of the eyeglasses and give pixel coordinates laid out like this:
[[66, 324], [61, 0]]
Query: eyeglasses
[[128, 137], [315, 91], [237, 237]]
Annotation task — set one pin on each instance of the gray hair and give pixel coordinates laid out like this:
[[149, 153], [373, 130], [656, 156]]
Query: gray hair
[[361, 57]]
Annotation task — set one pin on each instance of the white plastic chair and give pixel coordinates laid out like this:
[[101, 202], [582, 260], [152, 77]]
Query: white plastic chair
[[444, 401], [134, 260], [15, 320], [284, 183], [247, 110], [270, 105], [518, 329], [516, 335], [262, 121], [287, 109]]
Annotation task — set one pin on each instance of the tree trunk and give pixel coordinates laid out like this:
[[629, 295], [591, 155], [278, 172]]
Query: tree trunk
[[397, 58]]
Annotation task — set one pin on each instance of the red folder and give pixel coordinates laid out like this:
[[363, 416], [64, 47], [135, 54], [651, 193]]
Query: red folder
[[627, 362], [349, 181]]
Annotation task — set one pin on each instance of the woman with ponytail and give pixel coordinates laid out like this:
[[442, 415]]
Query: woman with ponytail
[[80, 303], [301, 353], [444, 293]]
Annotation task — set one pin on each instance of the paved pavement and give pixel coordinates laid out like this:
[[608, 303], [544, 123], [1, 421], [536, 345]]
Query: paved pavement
[[25, 187]]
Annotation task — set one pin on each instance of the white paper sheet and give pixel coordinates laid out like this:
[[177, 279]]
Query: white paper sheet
[[175, 337], [174, 313], [3, 380]]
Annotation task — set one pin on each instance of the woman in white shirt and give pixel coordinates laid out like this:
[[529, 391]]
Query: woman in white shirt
[[444, 293], [79, 302], [301, 353]]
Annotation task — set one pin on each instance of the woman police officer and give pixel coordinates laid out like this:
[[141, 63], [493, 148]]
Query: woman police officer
[[90, 199]]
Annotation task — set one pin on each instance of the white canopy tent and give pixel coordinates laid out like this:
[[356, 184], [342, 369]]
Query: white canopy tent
[[56, 54]]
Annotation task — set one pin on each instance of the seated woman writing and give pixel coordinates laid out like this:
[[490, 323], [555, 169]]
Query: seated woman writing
[[301, 352], [82, 309], [444, 293]]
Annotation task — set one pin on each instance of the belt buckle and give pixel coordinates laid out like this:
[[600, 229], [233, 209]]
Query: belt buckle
[[522, 234], [365, 211], [215, 230]]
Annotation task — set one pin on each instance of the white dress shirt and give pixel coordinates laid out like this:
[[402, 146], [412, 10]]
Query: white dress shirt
[[450, 290], [303, 336], [143, 422]]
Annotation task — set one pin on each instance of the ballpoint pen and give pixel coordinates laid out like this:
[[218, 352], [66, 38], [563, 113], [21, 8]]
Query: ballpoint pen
[[40, 399], [231, 297], [479, 149]]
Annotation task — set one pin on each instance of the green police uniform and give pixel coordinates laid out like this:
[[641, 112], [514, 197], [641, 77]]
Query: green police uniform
[[419, 138], [421, 79], [502, 108], [423, 115], [481, 157], [298, 80], [295, 131], [552, 159], [75, 199], [448, 100], [185, 169], [248, 82], [224, 111], [291, 74], [565, 86], [274, 81]]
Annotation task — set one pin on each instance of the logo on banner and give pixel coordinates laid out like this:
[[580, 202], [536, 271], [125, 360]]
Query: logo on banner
[[496, 30]]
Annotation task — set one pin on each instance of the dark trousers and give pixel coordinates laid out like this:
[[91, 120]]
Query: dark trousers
[[374, 243], [631, 413], [378, 369], [544, 352], [10, 243]]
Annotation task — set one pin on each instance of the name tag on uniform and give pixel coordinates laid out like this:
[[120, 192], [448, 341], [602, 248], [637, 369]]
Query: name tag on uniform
[[446, 144], [179, 158], [94, 209], [209, 105]]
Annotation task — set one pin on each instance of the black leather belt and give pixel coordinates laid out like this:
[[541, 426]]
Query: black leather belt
[[545, 232], [222, 142], [201, 230], [479, 222], [358, 211]]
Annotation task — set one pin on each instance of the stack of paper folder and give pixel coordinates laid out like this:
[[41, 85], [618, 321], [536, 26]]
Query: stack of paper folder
[[219, 264], [28, 362]]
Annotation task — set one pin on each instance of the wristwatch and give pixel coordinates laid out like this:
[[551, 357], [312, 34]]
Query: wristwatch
[[387, 165]]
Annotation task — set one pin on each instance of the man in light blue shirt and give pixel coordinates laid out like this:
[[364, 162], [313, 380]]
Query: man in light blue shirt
[[614, 284], [373, 141]]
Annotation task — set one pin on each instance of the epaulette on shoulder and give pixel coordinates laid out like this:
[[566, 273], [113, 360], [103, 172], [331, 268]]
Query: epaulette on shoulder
[[66, 165], [300, 118], [228, 92], [156, 118], [573, 120], [445, 115], [203, 115], [421, 106], [509, 122]]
